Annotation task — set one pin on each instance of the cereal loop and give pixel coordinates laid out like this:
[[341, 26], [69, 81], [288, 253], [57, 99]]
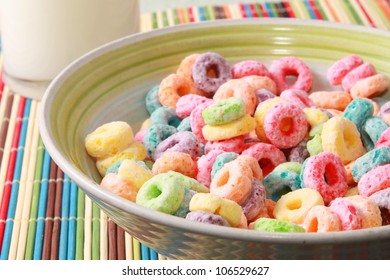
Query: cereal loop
[[321, 219], [371, 86], [171, 88], [337, 100], [248, 68], [340, 68], [175, 161]]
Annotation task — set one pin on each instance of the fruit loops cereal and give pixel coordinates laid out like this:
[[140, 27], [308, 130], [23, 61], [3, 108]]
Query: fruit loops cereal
[[246, 146]]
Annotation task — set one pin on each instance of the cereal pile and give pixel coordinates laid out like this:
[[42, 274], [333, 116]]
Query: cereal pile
[[244, 146]]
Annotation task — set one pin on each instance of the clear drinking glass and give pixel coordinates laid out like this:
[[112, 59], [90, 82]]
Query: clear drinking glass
[[41, 37]]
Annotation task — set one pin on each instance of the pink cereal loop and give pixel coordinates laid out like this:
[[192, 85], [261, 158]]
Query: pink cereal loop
[[171, 88], [384, 139], [261, 83], [235, 144], [375, 180], [362, 71], [340, 68], [349, 215], [297, 97], [291, 66], [197, 122], [267, 155], [248, 68], [187, 103], [285, 125], [205, 165], [252, 163], [326, 165], [371, 214], [238, 88], [321, 219]]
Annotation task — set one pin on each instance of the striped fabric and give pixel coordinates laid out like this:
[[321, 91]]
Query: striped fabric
[[44, 215]]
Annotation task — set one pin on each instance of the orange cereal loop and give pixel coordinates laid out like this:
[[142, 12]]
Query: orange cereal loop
[[321, 219], [238, 88], [253, 164], [352, 191], [118, 185], [370, 86], [261, 82], [175, 161], [338, 100], [348, 168], [185, 70], [172, 88], [243, 223], [371, 214]]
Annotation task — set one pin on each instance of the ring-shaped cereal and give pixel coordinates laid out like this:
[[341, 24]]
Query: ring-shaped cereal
[[182, 141], [175, 161], [349, 215], [238, 88], [321, 219], [294, 206], [197, 122], [358, 111], [155, 135], [118, 185], [221, 160], [326, 174], [205, 165], [382, 199], [375, 180], [233, 181], [172, 88], [255, 202], [371, 131], [152, 102], [163, 192], [200, 72], [261, 83], [267, 155], [165, 115], [207, 218], [370, 160], [300, 152], [370, 86], [235, 144], [297, 97], [248, 68], [274, 225], [285, 125], [362, 71], [252, 163], [263, 95], [278, 183], [340, 136], [371, 214], [187, 103], [291, 66], [185, 70], [229, 130], [341, 67], [384, 139], [336, 100], [224, 111]]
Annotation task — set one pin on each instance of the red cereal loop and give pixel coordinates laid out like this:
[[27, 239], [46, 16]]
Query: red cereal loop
[[291, 66], [285, 125], [326, 174], [248, 68]]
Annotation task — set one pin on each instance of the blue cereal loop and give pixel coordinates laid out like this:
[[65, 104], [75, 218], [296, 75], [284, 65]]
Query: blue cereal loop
[[184, 207], [278, 183], [155, 135], [374, 158], [371, 130], [165, 115], [358, 111], [221, 160], [185, 125], [152, 102]]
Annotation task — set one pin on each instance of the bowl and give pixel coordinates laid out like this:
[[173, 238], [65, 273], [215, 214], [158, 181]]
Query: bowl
[[110, 83]]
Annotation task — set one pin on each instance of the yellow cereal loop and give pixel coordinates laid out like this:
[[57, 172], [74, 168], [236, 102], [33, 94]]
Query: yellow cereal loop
[[109, 139], [352, 191], [227, 209], [135, 151], [145, 124], [340, 136], [260, 114], [229, 130], [294, 206], [315, 116], [134, 173]]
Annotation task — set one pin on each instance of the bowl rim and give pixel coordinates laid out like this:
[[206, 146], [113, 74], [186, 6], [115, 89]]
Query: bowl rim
[[91, 187]]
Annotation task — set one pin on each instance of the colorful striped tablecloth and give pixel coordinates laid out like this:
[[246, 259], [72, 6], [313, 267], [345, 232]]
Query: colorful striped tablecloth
[[44, 215]]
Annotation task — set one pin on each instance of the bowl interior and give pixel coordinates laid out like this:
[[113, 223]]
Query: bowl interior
[[110, 82]]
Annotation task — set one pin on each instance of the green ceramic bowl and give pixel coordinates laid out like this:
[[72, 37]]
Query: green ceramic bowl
[[110, 83]]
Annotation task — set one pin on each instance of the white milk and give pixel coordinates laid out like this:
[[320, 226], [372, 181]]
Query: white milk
[[41, 37]]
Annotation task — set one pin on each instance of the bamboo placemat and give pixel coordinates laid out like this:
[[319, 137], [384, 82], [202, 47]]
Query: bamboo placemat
[[44, 215]]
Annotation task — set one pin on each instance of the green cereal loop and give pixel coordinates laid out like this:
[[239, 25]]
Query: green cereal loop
[[152, 102], [316, 130], [358, 111], [221, 160], [274, 225], [165, 115], [155, 135], [374, 158], [163, 192], [290, 166], [224, 111], [189, 182], [371, 131], [314, 145]]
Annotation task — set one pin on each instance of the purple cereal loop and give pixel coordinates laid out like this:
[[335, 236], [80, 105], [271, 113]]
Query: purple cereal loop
[[210, 61], [382, 198], [263, 95], [255, 201], [385, 109], [207, 218], [182, 141], [299, 153]]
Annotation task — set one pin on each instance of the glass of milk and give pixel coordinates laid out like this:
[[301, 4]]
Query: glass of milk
[[41, 37]]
